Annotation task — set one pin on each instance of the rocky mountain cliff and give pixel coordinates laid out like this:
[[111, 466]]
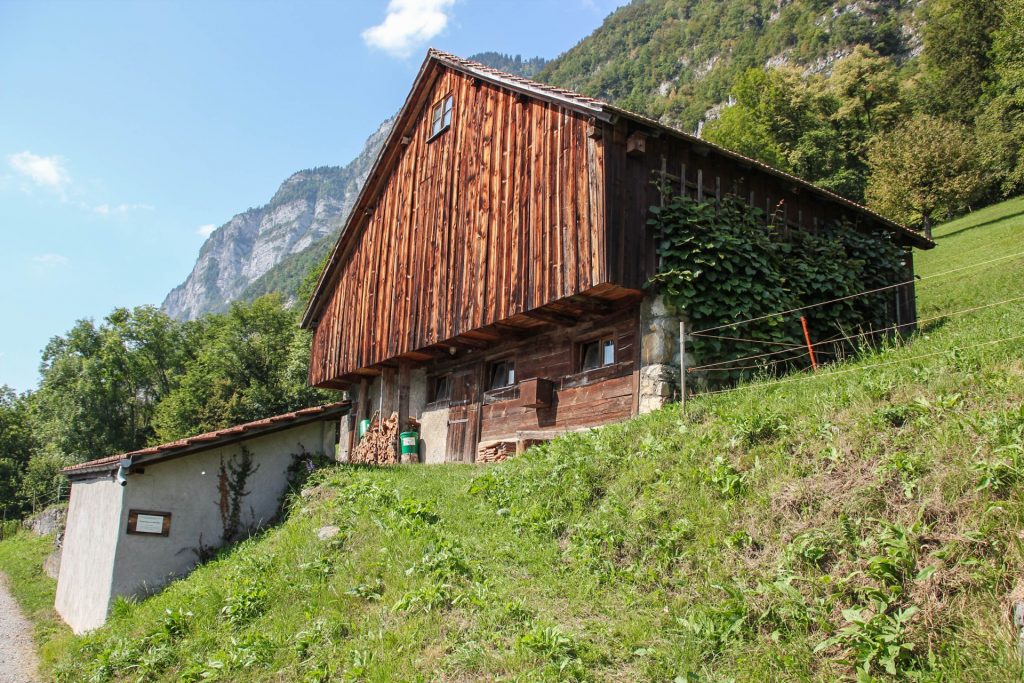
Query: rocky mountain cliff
[[273, 248], [309, 206]]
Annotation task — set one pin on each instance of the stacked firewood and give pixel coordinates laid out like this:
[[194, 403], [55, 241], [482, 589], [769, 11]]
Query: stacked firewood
[[495, 452], [377, 447]]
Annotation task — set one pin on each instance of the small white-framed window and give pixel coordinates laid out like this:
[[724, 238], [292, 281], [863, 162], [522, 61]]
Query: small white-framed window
[[597, 353], [441, 116]]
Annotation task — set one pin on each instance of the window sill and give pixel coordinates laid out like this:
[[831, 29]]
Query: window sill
[[438, 133], [501, 395], [581, 379]]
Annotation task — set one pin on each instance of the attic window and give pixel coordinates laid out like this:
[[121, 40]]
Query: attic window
[[441, 116]]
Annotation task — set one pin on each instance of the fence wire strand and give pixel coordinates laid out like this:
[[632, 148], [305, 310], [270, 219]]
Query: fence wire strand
[[833, 373], [737, 323], [840, 338]]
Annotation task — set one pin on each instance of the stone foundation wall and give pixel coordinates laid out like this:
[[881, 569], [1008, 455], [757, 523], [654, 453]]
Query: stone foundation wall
[[659, 354]]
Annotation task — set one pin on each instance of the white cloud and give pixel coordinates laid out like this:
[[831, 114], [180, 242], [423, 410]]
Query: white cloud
[[119, 209], [45, 171], [48, 172], [206, 230], [408, 23], [51, 260]]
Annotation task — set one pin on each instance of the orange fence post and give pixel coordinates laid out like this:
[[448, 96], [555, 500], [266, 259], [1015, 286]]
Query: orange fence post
[[810, 347]]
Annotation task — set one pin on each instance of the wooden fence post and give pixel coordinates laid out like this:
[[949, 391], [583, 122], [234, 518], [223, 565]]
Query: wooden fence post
[[682, 367]]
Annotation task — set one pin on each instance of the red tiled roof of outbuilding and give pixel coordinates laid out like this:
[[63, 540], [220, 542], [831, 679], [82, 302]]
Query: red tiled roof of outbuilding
[[207, 440]]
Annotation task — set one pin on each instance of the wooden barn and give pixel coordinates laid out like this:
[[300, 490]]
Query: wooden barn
[[488, 286]]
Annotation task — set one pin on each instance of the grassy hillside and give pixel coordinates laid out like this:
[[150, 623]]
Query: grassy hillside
[[869, 516]]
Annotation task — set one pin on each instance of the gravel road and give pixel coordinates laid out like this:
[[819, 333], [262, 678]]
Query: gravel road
[[17, 654]]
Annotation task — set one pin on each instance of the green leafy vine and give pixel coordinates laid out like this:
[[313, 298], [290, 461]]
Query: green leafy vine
[[232, 478], [723, 264]]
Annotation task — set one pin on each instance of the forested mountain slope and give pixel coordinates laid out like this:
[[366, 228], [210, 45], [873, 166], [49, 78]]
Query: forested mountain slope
[[914, 107], [676, 60]]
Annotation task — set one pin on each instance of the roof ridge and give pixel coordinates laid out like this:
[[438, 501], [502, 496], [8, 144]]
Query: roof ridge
[[521, 80]]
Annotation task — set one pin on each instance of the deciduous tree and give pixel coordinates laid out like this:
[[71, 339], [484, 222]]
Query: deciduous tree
[[924, 170]]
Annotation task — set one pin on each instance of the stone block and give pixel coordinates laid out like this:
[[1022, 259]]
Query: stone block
[[51, 565]]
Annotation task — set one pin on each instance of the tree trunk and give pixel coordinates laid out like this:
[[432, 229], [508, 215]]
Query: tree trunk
[[928, 226]]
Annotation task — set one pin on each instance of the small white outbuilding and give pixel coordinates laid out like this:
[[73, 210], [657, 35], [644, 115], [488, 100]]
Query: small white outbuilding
[[141, 519]]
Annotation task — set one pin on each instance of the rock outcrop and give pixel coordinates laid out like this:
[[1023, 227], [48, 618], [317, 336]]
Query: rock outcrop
[[308, 206]]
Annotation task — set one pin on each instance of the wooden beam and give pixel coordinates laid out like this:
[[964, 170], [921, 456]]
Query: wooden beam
[[552, 317], [590, 304], [422, 355], [511, 331], [636, 144], [481, 335], [467, 343], [388, 393], [404, 382]]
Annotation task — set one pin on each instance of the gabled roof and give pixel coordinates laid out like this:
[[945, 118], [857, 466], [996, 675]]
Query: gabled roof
[[204, 442], [567, 98]]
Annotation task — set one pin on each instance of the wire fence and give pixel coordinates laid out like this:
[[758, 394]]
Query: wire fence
[[846, 339], [792, 353], [779, 314], [861, 368]]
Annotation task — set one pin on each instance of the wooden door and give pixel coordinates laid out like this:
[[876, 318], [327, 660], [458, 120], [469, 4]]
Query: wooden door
[[464, 415]]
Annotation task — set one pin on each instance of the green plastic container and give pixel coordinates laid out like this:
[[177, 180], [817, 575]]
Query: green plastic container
[[364, 426], [410, 445]]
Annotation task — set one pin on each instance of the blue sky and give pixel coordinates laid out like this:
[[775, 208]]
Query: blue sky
[[129, 129]]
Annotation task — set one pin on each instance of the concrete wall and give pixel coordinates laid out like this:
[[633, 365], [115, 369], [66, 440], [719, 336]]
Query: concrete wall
[[90, 546], [417, 392], [187, 488], [101, 560]]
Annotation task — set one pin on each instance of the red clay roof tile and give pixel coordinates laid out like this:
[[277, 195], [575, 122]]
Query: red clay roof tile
[[208, 438]]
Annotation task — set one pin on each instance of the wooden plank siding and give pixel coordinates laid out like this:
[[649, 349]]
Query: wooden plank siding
[[699, 171], [498, 215], [580, 399]]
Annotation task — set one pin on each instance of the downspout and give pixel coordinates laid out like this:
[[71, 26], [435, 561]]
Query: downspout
[[122, 471]]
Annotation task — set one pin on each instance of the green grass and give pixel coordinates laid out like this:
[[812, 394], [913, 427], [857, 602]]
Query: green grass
[[862, 523], [21, 561]]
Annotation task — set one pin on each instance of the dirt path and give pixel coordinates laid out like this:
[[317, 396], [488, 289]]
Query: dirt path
[[17, 654]]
